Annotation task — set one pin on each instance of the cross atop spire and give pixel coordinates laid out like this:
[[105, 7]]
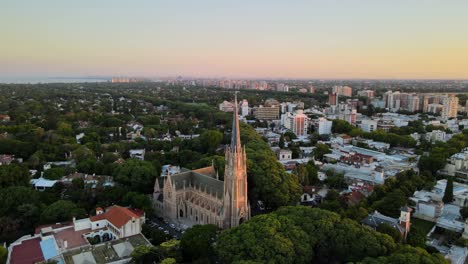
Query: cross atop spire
[[235, 137]]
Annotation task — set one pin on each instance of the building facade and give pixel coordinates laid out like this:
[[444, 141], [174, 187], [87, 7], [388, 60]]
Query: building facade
[[343, 90], [298, 122], [324, 126], [200, 197], [369, 125], [450, 107], [244, 108], [267, 113]]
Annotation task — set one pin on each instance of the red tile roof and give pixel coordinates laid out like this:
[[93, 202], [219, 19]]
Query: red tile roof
[[355, 197], [28, 252], [118, 215]]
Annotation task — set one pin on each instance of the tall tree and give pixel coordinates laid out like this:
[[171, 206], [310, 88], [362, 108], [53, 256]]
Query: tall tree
[[13, 175], [61, 211], [211, 139], [197, 243], [320, 150], [448, 194], [137, 174]]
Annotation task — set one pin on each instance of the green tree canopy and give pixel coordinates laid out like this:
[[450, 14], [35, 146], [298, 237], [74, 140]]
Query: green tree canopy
[[210, 140], [389, 230], [54, 173], [197, 243], [267, 178], [408, 254], [138, 200], [3, 255], [138, 175], [320, 150], [13, 175], [145, 254], [301, 235], [61, 211]]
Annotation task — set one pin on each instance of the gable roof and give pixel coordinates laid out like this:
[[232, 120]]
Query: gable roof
[[44, 183], [376, 219], [198, 180], [118, 215]]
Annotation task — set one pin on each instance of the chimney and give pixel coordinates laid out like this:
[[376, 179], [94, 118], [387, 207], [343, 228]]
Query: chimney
[[99, 211]]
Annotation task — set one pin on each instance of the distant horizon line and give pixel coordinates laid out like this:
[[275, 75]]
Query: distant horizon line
[[110, 77]]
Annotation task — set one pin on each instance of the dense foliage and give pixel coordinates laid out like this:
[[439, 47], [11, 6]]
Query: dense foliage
[[305, 235], [268, 181]]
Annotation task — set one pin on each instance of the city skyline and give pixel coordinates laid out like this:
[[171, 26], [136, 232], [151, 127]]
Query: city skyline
[[257, 39]]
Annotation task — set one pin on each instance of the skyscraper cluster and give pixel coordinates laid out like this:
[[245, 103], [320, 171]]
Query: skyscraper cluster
[[343, 90], [444, 104]]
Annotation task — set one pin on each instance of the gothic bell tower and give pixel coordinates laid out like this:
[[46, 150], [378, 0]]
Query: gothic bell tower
[[236, 207]]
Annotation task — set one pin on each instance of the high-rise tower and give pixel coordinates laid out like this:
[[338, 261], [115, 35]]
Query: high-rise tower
[[236, 207]]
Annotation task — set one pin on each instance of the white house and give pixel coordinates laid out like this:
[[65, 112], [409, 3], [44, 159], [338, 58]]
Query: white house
[[119, 221], [42, 184], [137, 154], [284, 154]]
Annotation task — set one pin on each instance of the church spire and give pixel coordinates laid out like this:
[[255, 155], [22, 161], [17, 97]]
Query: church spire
[[235, 137], [235, 200]]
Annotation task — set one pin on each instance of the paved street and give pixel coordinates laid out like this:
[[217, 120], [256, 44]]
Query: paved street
[[165, 227]]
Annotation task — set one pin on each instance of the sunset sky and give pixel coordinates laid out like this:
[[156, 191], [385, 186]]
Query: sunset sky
[[243, 38]]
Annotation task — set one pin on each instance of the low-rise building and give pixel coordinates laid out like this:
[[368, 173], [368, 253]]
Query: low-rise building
[[137, 154], [284, 154], [98, 239], [6, 159], [458, 164], [42, 184], [62, 164], [402, 224], [311, 195], [90, 180], [226, 106], [369, 125], [5, 118]]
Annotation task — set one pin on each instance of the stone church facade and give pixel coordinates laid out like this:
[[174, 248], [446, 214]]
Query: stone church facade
[[199, 197]]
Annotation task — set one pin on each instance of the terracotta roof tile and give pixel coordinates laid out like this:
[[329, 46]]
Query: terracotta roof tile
[[118, 215]]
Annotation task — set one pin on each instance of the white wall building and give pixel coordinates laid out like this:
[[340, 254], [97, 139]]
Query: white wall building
[[284, 154], [137, 154], [369, 125], [436, 135], [244, 108], [324, 126]]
